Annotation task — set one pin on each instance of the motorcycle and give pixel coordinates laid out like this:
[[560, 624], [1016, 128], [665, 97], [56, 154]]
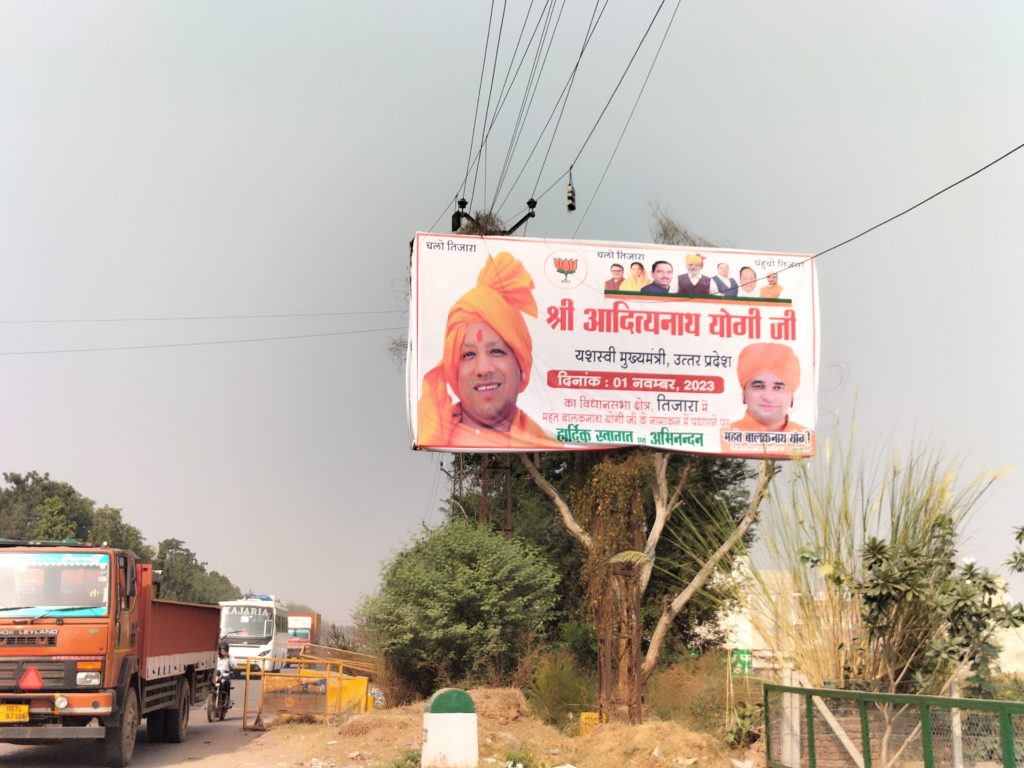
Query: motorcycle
[[219, 701]]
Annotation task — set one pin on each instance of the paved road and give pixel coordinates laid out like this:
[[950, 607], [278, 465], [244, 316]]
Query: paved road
[[204, 739]]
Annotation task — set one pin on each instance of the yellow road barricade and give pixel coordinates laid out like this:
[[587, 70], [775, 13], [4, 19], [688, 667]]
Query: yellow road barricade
[[313, 687]]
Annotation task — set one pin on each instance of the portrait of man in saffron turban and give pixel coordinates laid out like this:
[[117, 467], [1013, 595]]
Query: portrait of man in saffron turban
[[769, 375], [486, 364]]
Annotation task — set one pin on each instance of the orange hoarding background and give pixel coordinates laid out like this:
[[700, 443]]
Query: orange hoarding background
[[531, 344]]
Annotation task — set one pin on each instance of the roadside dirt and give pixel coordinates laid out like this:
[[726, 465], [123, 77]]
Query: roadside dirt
[[381, 739]]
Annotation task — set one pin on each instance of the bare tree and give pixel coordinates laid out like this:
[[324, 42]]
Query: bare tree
[[667, 500], [670, 232], [632, 569]]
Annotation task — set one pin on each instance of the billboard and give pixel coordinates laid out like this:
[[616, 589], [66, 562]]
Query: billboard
[[522, 344]]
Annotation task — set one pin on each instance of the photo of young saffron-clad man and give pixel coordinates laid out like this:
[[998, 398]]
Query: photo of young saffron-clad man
[[773, 290], [488, 354], [769, 375]]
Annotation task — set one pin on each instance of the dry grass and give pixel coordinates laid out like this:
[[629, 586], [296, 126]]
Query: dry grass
[[699, 694], [505, 725], [812, 534]]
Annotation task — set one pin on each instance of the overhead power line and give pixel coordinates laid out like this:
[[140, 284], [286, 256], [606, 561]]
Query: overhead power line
[[204, 317], [540, 59], [882, 223], [591, 28], [604, 109], [476, 110], [918, 205], [847, 241], [615, 90], [893, 218], [485, 129], [487, 109], [629, 119], [198, 343]]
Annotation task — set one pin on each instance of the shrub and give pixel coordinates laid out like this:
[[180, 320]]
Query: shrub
[[460, 604], [581, 641], [746, 724], [697, 693], [410, 759], [560, 687], [1008, 688], [519, 759]]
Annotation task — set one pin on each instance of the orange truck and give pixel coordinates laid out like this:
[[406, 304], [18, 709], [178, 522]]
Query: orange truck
[[303, 628], [87, 651]]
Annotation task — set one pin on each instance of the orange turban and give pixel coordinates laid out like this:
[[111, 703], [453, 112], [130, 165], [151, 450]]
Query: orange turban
[[694, 258], [503, 293], [763, 357]]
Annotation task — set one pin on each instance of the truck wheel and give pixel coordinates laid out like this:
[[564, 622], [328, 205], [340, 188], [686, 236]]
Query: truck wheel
[[176, 725], [119, 740], [156, 725]]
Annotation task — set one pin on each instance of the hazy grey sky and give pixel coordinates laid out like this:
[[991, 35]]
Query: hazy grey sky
[[180, 159]]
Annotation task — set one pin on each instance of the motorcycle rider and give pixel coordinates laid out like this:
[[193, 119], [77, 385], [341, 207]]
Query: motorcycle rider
[[223, 675]]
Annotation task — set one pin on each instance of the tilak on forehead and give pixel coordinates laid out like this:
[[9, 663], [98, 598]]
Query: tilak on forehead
[[498, 303], [504, 292], [502, 295]]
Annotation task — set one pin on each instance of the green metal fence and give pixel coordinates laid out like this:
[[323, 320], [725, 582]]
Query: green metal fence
[[825, 728]]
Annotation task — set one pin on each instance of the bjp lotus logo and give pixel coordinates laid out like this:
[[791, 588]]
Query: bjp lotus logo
[[566, 267]]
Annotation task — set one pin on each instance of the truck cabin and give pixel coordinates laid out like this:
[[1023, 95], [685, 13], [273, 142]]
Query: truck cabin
[[65, 580]]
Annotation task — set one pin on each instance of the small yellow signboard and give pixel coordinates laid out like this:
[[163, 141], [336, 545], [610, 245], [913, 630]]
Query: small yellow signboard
[[590, 720]]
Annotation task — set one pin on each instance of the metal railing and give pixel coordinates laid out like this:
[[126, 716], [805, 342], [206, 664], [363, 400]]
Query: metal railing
[[355, 663], [826, 728]]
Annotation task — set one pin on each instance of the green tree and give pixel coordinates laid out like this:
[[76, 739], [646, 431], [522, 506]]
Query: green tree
[[33, 506], [881, 599], [499, 491], [53, 524], [185, 578], [664, 481], [108, 528], [462, 602], [648, 593], [23, 503]]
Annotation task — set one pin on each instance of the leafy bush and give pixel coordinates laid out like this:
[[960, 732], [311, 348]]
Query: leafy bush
[[746, 724], [581, 642], [560, 687], [517, 759], [460, 604], [696, 693], [410, 759], [1008, 688], [862, 584]]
